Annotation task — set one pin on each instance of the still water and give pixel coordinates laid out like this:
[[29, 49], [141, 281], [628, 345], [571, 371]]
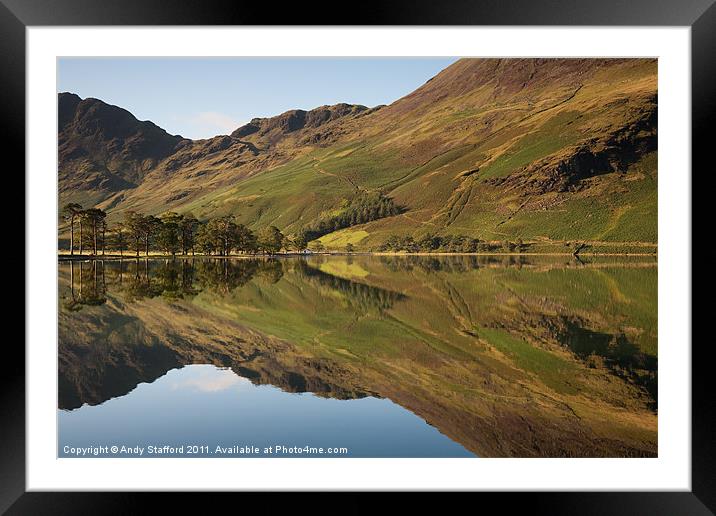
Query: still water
[[207, 411], [360, 356]]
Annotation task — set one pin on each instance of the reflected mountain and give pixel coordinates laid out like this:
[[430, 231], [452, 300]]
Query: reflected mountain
[[507, 356]]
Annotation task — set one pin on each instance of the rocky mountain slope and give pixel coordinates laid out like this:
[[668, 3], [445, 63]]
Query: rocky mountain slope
[[108, 157], [105, 149], [538, 149]]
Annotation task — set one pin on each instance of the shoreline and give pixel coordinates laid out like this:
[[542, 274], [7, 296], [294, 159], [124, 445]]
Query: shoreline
[[113, 256]]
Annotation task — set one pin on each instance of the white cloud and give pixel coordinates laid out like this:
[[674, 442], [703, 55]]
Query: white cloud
[[211, 123]]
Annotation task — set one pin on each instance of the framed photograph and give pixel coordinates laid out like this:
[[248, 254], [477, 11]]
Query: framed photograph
[[442, 248]]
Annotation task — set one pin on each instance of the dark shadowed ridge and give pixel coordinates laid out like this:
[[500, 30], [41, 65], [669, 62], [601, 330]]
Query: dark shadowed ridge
[[271, 130], [105, 147]]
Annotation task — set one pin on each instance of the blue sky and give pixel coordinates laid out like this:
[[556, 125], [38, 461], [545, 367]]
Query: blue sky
[[203, 97]]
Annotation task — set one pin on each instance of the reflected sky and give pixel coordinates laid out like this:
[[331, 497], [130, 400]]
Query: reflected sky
[[227, 410]]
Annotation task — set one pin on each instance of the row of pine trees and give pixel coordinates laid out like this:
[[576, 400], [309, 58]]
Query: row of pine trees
[[171, 233]]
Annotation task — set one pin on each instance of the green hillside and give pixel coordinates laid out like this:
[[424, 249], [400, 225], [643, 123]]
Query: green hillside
[[544, 150]]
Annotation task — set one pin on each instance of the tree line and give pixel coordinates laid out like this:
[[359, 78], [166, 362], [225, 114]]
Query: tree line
[[174, 233], [359, 210], [170, 233]]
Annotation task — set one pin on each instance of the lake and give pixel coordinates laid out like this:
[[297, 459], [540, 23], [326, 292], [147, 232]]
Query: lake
[[358, 356]]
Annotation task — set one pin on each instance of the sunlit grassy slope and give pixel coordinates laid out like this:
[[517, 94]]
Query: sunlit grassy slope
[[481, 163]]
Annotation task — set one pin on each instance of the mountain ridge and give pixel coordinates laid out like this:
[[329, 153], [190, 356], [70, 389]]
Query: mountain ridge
[[91, 168], [497, 148]]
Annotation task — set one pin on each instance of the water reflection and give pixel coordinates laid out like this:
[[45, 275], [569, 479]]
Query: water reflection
[[503, 356], [209, 407], [87, 285]]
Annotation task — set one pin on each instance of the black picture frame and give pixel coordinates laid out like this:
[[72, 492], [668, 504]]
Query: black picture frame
[[700, 15]]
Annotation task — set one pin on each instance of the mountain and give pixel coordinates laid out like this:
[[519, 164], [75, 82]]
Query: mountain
[[109, 158], [104, 148], [268, 132], [546, 150]]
